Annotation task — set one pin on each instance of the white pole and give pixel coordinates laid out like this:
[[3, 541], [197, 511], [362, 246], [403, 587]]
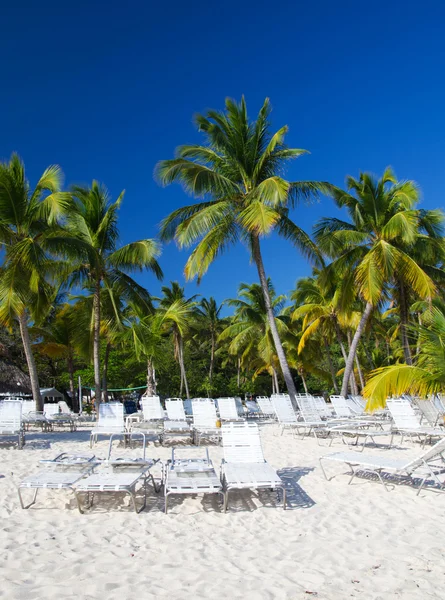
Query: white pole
[[80, 396]]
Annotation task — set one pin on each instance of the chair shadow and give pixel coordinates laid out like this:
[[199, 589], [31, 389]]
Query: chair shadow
[[392, 481]]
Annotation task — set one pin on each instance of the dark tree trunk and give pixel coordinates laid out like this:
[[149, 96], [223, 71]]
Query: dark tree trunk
[[212, 357], [343, 351], [359, 371], [33, 375], [352, 380], [96, 345], [303, 379], [275, 378], [238, 372], [181, 364], [353, 349], [70, 369], [151, 388], [404, 318], [256, 251], [105, 373]]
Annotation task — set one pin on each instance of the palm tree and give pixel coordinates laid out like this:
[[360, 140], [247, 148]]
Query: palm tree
[[93, 226], [27, 220], [208, 314], [427, 376], [177, 312], [372, 251], [238, 172], [250, 333]]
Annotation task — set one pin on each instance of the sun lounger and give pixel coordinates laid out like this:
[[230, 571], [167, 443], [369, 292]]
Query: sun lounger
[[204, 420], [175, 409], [11, 423], [111, 421], [288, 419], [324, 410], [244, 466], [428, 464], [152, 409], [66, 470], [351, 435], [227, 409], [190, 476], [253, 410], [240, 407], [430, 414], [408, 425], [55, 417], [120, 476], [266, 407]]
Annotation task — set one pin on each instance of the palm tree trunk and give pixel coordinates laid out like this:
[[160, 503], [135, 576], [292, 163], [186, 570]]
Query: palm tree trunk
[[238, 372], [33, 375], [331, 366], [419, 318], [181, 363], [360, 372], [256, 251], [352, 380], [343, 351], [353, 349], [96, 345], [275, 377], [105, 373], [70, 369], [404, 325], [303, 379], [212, 357], [150, 378], [273, 384]]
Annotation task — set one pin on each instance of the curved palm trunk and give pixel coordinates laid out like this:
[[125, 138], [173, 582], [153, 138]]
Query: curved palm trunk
[[96, 345], [303, 379], [353, 349], [182, 367], [70, 369], [105, 373], [33, 375], [404, 325], [360, 372], [352, 380], [212, 357], [151, 387], [331, 366], [238, 372], [343, 351], [256, 251], [275, 378]]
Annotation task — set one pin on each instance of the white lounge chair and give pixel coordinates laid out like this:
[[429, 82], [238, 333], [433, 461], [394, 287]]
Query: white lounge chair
[[204, 420], [67, 469], [428, 464], [227, 409], [118, 476], [175, 409], [266, 407], [429, 412], [240, 407], [341, 408], [151, 408], [110, 422], [55, 417], [407, 424], [190, 476], [253, 410], [323, 409], [11, 423], [288, 419], [176, 424], [244, 466]]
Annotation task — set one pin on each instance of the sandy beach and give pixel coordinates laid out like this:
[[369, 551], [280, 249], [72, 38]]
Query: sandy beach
[[334, 542]]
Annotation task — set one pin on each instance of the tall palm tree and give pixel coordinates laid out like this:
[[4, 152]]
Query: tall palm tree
[[250, 333], [27, 220], [93, 226], [208, 315], [372, 250], [177, 312], [238, 172]]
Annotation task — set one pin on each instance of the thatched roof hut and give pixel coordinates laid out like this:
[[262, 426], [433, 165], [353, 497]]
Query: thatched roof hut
[[13, 380]]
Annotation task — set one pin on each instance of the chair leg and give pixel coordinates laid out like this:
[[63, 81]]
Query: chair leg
[[284, 497], [226, 500], [21, 499]]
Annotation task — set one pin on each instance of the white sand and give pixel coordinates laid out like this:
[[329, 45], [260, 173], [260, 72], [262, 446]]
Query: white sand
[[334, 542]]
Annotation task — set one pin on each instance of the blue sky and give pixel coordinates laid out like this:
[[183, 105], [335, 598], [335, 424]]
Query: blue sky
[[107, 89]]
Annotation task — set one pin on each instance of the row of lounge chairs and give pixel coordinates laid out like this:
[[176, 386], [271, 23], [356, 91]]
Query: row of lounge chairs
[[243, 467]]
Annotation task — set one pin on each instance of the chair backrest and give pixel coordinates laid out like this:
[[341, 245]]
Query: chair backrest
[[432, 453], [439, 402], [204, 412], [111, 414], [322, 407], [11, 415], [283, 408], [266, 406], [355, 409], [151, 408], [340, 406], [240, 407], [28, 406], [359, 401], [307, 408], [252, 407], [242, 443], [428, 410], [175, 409], [65, 409], [50, 409], [227, 409], [403, 413]]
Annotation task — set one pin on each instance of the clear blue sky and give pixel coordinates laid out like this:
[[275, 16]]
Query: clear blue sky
[[107, 89]]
